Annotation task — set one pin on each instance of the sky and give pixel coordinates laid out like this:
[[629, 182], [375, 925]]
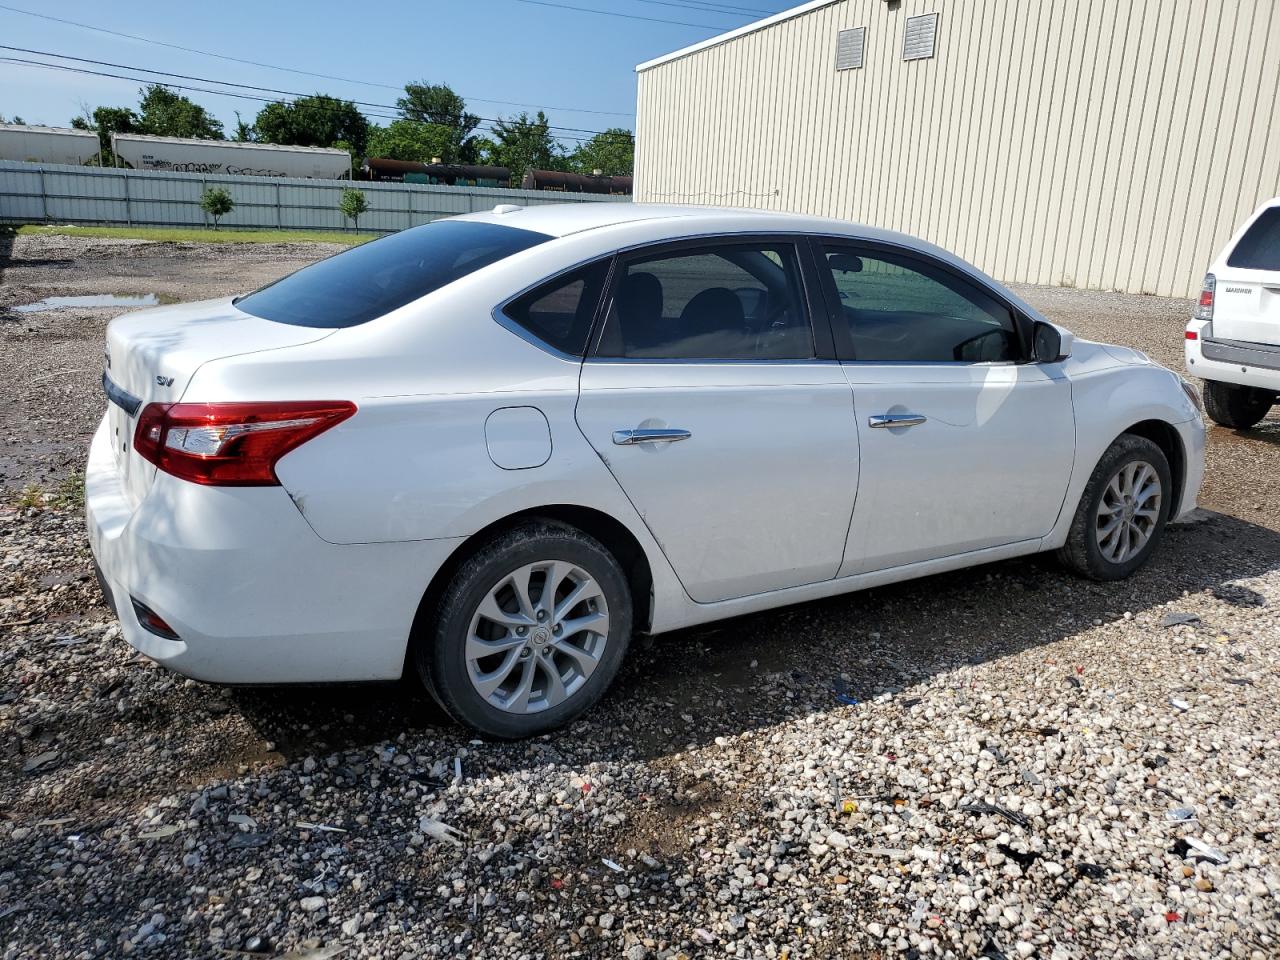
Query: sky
[[578, 66]]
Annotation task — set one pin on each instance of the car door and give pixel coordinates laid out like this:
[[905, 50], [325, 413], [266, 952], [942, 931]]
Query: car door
[[964, 444], [726, 423]]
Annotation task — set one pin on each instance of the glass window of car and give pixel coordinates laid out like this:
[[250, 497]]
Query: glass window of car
[[367, 281], [724, 301], [559, 313], [1259, 248], [903, 309]]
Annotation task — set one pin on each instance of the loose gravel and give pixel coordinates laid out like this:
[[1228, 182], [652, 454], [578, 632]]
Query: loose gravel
[[1005, 761]]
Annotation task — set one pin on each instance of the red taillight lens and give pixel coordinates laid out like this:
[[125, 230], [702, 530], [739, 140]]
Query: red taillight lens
[[1192, 335], [1204, 309], [231, 444]]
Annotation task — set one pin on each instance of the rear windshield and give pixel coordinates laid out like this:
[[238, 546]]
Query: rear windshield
[[370, 280], [1259, 248]]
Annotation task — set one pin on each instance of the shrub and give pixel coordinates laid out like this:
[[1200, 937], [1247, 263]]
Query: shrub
[[217, 203], [352, 205]]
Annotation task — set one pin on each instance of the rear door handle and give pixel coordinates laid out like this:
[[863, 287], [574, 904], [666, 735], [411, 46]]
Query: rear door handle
[[625, 438], [887, 420]]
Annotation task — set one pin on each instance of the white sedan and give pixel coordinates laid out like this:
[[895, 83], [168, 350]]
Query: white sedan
[[489, 449]]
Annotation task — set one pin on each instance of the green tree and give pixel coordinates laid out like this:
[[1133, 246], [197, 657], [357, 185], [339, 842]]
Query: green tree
[[612, 152], [16, 119], [436, 103], [316, 121], [217, 203], [244, 131], [106, 121], [411, 140], [168, 114], [524, 144], [352, 204]]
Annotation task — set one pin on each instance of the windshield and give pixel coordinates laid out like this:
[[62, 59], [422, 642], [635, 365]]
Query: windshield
[[367, 281], [1259, 248]]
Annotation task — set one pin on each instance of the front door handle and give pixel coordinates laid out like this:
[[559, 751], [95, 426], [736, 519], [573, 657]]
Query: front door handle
[[649, 435], [887, 420]]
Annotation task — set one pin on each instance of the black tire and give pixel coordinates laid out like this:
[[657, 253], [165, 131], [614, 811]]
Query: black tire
[[1235, 406], [1082, 553], [440, 649]]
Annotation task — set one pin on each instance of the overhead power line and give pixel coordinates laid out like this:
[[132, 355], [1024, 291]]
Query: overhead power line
[[273, 66], [241, 86], [625, 16], [707, 6], [20, 61]]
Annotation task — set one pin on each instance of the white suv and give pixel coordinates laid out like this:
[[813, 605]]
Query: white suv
[[1233, 339]]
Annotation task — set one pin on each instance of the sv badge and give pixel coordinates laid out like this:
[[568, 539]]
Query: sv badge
[[164, 381]]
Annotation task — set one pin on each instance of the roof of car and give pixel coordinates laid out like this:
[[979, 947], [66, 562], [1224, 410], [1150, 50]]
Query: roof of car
[[562, 219]]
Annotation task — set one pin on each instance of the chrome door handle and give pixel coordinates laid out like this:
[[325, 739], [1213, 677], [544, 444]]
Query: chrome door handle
[[886, 420], [650, 435]]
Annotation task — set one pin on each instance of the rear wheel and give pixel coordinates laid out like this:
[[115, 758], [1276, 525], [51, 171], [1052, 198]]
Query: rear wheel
[[529, 633], [1122, 512], [1232, 405]]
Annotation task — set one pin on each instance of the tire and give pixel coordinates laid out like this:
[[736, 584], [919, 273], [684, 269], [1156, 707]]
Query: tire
[[510, 691], [1235, 406], [1098, 544]]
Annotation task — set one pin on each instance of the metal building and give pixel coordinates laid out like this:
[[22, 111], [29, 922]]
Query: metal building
[[1083, 143]]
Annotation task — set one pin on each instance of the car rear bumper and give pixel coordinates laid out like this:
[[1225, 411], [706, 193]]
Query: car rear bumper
[[1232, 361], [254, 595]]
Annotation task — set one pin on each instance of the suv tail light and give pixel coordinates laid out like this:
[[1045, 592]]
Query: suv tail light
[[231, 444], [1204, 309]]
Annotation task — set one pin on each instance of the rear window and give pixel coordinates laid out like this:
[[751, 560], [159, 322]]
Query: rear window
[[1259, 248], [370, 280]]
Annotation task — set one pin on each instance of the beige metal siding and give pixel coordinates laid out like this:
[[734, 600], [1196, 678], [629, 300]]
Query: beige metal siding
[[1092, 143]]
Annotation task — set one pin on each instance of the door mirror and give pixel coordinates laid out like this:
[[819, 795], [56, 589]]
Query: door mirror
[[1048, 344]]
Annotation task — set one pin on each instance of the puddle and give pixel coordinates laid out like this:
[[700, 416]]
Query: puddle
[[99, 300]]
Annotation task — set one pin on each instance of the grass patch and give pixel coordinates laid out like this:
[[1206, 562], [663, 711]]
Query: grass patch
[[199, 235], [69, 495], [30, 496]]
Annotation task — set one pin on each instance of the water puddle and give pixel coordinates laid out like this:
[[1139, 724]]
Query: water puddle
[[97, 300]]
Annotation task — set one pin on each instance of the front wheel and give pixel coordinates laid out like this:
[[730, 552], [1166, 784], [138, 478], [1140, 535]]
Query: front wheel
[[1122, 512], [529, 633], [1232, 405]]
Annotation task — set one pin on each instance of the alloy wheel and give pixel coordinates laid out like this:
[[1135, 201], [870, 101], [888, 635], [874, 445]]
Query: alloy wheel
[[537, 636], [1129, 511]]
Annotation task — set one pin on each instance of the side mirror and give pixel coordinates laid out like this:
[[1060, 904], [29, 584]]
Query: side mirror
[[1048, 343]]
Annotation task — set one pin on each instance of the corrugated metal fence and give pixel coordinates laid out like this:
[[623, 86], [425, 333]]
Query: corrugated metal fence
[[58, 193]]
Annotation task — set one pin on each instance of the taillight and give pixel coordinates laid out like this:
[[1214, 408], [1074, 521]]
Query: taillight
[[1204, 309], [1192, 335], [231, 444]]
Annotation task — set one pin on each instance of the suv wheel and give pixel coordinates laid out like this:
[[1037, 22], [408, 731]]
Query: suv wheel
[[1235, 406], [1122, 511], [529, 633]]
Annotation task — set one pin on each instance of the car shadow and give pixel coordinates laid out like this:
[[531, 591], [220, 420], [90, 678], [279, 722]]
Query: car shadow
[[686, 688]]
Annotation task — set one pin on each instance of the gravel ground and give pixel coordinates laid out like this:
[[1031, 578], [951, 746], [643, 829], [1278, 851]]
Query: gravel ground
[[1034, 765]]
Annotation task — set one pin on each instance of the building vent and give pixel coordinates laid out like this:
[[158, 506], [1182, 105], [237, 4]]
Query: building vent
[[850, 45], [918, 41]]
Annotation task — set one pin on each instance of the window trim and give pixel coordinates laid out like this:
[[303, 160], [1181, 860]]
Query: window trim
[[844, 343], [811, 297], [511, 325]]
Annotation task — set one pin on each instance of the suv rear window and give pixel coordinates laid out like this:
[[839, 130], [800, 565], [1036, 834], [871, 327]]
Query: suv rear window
[[1259, 248], [367, 281]]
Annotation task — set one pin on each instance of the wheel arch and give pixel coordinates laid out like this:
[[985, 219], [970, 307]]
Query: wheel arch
[[1165, 436], [611, 532]]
